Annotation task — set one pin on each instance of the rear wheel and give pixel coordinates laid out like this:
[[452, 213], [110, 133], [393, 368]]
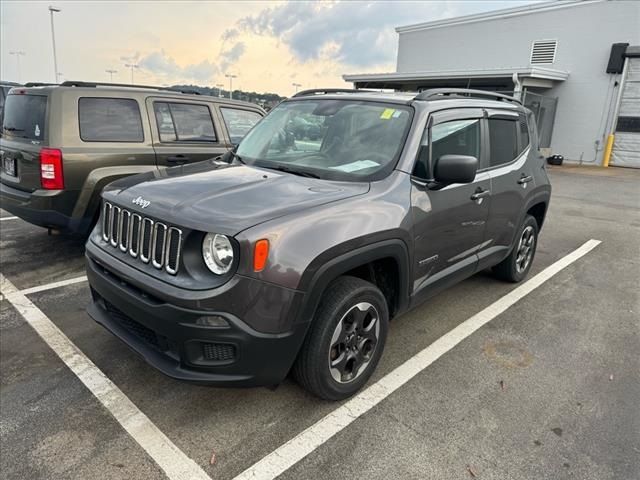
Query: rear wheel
[[345, 341], [516, 266]]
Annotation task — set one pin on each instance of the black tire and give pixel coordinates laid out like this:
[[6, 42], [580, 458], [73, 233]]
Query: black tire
[[514, 268], [343, 302]]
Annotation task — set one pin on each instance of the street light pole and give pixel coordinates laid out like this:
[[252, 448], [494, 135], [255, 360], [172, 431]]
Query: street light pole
[[131, 66], [296, 85], [111, 72], [219, 85], [18, 54], [53, 10], [231, 77]]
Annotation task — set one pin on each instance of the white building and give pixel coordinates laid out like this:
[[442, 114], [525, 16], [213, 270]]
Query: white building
[[553, 55]]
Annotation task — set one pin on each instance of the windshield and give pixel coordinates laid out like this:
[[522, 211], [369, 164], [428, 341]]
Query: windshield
[[334, 139], [24, 116]]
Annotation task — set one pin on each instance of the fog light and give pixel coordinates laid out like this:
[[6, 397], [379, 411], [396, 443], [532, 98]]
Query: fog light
[[212, 321]]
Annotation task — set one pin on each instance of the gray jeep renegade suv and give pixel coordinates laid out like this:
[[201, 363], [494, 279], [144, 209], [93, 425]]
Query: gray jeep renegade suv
[[336, 213]]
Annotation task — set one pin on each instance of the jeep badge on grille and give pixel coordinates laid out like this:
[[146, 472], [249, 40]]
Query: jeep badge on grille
[[141, 202]]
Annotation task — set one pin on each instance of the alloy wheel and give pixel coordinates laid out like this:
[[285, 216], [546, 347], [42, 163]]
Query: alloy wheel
[[354, 342], [525, 249]]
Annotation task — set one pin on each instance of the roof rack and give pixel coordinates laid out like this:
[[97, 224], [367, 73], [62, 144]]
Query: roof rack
[[440, 93], [38, 84], [315, 91], [76, 83]]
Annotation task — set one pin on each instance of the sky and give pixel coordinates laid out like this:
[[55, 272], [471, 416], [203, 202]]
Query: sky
[[269, 45]]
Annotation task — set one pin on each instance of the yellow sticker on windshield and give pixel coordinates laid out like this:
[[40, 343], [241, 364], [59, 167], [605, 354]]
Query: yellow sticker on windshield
[[387, 114]]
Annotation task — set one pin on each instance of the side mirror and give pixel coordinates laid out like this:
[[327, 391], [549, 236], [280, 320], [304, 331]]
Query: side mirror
[[455, 169], [226, 156]]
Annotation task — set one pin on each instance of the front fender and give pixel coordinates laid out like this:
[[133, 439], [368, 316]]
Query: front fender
[[327, 267]]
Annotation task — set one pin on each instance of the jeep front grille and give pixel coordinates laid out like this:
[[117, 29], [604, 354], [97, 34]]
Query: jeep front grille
[[147, 240]]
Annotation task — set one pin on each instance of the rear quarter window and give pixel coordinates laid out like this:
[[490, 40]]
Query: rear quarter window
[[24, 116], [503, 141], [110, 120]]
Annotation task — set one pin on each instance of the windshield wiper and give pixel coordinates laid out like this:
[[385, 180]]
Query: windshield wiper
[[293, 171]]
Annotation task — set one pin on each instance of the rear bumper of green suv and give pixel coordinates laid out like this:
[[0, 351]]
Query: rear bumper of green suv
[[45, 208]]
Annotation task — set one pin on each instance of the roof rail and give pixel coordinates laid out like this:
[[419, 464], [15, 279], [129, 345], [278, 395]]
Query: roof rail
[[39, 84], [77, 83], [440, 93], [315, 91]]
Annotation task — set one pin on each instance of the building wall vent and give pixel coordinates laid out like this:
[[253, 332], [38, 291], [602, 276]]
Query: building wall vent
[[543, 52]]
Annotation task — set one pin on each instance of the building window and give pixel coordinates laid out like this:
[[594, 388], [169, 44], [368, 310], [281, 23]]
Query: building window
[[628, 124]]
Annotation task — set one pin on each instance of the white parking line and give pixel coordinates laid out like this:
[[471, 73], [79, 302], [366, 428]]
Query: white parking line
[[306, 442], [2, 219], [170, 458], [49, 286]]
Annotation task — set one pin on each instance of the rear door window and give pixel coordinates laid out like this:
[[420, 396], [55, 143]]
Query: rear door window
[[184, 122], [24, 116], [110, 120], [503, 141], [239, 122]]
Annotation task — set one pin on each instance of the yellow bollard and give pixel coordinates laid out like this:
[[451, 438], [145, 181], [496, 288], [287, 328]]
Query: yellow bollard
[[607, 151]]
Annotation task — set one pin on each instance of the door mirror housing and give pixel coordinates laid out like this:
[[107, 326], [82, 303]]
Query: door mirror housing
[[455, 169]]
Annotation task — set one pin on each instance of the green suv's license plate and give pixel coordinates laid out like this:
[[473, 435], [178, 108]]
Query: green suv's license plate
[[9, 166]]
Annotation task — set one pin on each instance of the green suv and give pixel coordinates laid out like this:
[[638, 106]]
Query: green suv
[[61, 144]]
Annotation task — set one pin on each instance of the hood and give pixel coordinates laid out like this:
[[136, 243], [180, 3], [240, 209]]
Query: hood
[[224, 198]]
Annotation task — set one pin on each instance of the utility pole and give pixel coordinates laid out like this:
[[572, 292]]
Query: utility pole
[[131, 66], [231, 77], [18, 54], [296, 85], [219, 85], [111, 72], [53, 10]]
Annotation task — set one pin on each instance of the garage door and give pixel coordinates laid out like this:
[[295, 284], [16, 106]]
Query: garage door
[[626, 148]]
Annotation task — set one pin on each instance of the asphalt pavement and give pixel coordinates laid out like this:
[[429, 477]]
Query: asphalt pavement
[[548, 389]]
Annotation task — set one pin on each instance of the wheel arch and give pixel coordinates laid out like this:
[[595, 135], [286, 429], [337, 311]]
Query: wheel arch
[[87, 205], [392, 253]]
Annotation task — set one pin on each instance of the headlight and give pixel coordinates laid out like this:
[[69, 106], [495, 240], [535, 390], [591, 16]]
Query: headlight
[[217, 253]]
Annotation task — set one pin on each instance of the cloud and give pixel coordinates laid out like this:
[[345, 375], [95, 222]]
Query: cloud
[[354, 33], [232, 55], [159, 63], [163, 65], [229, 34], [131, 58]]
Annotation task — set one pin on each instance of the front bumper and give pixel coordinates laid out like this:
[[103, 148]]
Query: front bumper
[[45, 208], [167, 337]]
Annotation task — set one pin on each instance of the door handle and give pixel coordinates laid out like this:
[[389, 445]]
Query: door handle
[[525, 179], [178, 159], [480, 194]]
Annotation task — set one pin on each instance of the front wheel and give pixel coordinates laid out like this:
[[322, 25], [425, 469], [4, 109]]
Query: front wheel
[[345, 341], [516, 266]]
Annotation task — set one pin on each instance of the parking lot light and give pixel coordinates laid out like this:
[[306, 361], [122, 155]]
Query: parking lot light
[[231, 77]]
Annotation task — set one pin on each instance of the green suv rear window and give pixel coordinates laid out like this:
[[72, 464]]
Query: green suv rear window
[[24, 116]]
